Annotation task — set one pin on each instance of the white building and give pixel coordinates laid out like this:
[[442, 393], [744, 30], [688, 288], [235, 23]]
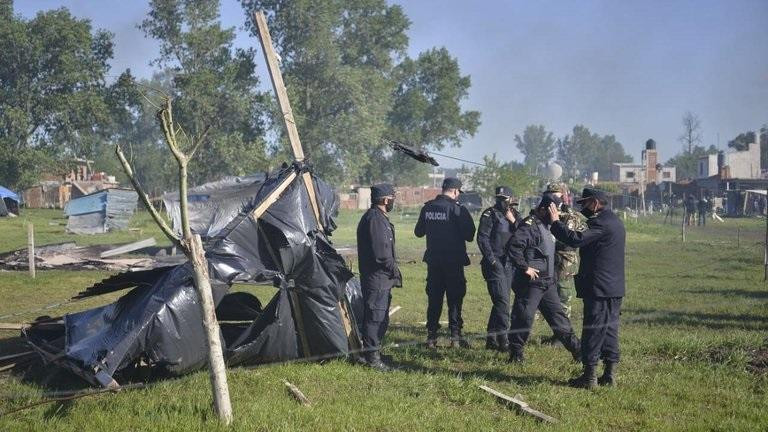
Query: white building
[[648, 171], [736, 164]]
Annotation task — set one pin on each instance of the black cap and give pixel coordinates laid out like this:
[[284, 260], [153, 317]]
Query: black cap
[[452, 183], [503, 191], [592, 193], [548, 198], [382, 190]]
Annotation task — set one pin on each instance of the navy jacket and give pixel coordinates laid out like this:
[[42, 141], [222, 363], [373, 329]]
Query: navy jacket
[[376, 251], [494, 232], [448, 226], [526, 249], [601, 250]]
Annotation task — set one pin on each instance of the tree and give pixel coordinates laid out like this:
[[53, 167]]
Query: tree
[[687, 163], [52, 104], [211, 84], [691, 135], [495, 172], [583, 152], [537, 146], [351, 85], [742, 141]]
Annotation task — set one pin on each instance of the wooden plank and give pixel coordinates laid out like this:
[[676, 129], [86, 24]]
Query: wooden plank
[[130, 247], [277, 84], [258, 211], [293, 136], [297, 394], [394, 310], [13, 326], [520, 405], [15, 356]]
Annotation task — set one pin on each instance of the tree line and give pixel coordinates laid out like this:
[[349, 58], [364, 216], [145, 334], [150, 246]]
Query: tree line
[[345, 63]]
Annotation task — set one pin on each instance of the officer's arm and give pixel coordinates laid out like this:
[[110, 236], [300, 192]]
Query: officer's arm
[[516, 247], [421, 229], [484, 236], [577, 239], [381, 244], [467, 224]]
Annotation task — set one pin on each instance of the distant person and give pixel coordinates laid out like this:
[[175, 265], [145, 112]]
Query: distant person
[[378, 271], [690, 209], [599, 283], [447, 226], [532, 251], [496, 226], [703, 210]]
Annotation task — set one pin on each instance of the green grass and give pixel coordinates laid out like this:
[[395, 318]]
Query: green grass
[[693, 319]]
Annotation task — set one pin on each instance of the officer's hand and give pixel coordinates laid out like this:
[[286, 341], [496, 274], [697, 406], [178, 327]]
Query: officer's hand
[[554, 213], [532, 273], [510, 215]]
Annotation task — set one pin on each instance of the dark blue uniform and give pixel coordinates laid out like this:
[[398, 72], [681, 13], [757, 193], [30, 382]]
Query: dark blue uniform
[[532, 246], [378, 273], [600, 283], [493, 234], [448, 226]]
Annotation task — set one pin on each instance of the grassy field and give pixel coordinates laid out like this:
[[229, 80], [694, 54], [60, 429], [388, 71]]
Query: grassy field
[[693, 337]]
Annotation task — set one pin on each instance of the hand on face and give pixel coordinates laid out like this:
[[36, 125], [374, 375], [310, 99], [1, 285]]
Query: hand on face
[[554, 213]]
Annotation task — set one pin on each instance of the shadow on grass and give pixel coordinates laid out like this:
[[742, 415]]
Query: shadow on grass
[[715, 321], [758, 295]]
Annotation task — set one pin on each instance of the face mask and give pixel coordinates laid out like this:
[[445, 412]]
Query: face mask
[[390, 205], [503, 204], [586, 211]]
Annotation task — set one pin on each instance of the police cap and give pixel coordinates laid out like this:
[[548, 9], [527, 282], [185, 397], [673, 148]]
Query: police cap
[[548, 198], [588, 193], [452, 183], [382, 190]]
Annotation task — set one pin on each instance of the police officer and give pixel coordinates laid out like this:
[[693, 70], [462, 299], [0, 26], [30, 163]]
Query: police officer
[[532, 251], [599, 283], [496, 226], [378, 270], [448, 226]]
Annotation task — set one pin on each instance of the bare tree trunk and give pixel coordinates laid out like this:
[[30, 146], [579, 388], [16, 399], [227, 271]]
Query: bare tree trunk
[[193, 249]]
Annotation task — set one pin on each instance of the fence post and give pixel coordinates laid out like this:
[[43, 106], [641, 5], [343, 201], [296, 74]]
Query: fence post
[[31, 248]]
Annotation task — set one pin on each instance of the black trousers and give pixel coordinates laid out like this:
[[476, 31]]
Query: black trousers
[[600, 332], [542, 296], [375, 317], [498, 278], [445, 280]]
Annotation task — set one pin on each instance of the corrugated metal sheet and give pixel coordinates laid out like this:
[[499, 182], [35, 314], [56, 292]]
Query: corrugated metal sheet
[[102, 211]]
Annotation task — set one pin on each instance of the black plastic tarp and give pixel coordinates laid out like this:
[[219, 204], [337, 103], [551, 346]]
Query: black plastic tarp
[[158, 322]]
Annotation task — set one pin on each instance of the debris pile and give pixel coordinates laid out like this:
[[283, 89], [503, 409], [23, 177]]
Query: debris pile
[[158, 323]]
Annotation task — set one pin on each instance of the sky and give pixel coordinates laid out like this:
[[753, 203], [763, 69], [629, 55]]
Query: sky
[[631, 69]]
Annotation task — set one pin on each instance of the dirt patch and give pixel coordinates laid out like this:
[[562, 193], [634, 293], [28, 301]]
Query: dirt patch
[[758, 361]]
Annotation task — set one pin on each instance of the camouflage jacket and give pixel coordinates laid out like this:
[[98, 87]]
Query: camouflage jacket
[[566, 257]]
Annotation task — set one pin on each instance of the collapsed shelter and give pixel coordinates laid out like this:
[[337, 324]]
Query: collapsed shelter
[[157, 324]]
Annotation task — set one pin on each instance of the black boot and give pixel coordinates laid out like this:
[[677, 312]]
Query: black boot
[[587, 380], [431, 340], [490, 343], [503, 342], [516, 356], [374, 361], [607, 379], [457, 340]]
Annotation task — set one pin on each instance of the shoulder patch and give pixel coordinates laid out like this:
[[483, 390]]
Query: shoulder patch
[[528, 221], [486, 213]]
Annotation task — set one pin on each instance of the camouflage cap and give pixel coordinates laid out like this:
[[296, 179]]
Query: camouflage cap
[[554, 188]]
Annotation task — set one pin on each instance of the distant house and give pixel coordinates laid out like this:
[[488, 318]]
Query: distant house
[[648, 171], [101, 211], [743, 164], [55, 191]]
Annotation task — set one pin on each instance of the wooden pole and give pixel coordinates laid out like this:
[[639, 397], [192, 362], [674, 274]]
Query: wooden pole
[[31, 249], [278, 85]]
